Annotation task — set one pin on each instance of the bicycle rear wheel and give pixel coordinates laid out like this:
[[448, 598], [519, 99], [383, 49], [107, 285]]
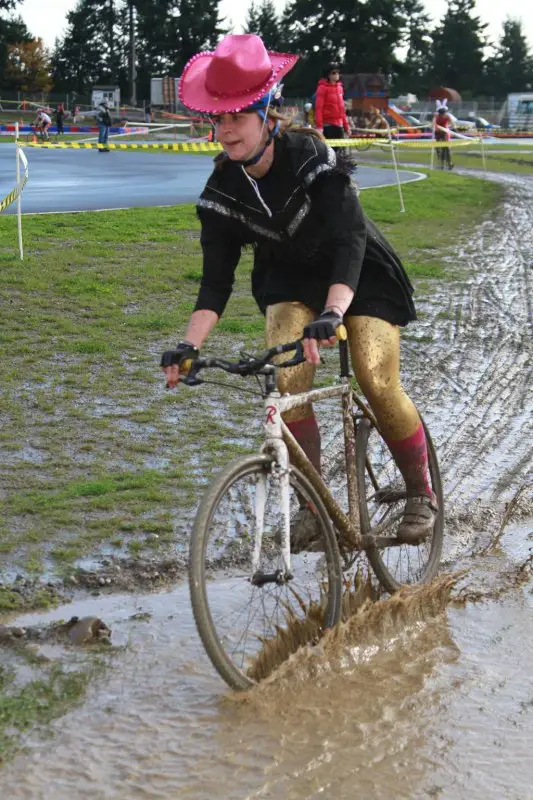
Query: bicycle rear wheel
[[236, 619], [382, 496]]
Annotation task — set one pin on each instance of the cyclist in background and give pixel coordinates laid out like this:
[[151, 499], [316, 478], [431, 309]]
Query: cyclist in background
[[42, 123], [318, 261], [442, 122]]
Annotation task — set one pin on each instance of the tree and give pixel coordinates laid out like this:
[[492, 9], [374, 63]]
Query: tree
[[95, 48], [169, 33], [413, 71], [12, 31], [363, 35], [511, 69], [263, 20], [28, 67], [89, 52], [458, 44]]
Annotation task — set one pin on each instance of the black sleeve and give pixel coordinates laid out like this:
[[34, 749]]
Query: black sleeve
[[344, 217], [221, 252]]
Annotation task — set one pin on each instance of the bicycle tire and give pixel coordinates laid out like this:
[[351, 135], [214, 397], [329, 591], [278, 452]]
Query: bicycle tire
[[383, 572], [236, 676]]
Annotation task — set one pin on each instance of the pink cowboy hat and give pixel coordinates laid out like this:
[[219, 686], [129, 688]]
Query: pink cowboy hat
[[237, 74]]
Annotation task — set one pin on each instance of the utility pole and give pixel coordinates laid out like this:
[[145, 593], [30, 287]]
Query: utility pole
[[133, 71]]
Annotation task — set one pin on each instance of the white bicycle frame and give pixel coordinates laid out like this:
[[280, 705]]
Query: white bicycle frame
[[277, 435]]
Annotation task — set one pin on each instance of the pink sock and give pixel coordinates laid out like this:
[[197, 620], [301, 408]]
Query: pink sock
[[411, 456], [307, 434]]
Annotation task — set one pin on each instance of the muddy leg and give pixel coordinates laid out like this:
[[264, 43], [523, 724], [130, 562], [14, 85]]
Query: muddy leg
[[375, 351], [284, 323]]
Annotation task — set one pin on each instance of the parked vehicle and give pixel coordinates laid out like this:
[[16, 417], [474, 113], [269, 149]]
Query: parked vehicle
[[518, 112]]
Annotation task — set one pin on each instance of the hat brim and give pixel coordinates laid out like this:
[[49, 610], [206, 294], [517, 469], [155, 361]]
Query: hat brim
[[193, 93]]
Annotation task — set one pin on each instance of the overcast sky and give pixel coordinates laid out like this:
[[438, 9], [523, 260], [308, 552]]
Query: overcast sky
[[46, 18]]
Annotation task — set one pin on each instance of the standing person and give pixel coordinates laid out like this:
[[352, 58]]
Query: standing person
[[309, 115], [318, 261], [60, 119], [148, 113], [442, 122], [330, 113], [377, 120], [103, 119]]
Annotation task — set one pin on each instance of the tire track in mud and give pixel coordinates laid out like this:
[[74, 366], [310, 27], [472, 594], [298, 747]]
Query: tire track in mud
[[473, 378]]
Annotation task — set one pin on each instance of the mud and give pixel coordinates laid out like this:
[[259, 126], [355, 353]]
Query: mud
[[413, 697]]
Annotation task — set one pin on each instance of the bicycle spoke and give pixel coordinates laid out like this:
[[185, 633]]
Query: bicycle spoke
[[243, 615]]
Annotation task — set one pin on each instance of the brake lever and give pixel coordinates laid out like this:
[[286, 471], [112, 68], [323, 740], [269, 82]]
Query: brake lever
[[298, 357]]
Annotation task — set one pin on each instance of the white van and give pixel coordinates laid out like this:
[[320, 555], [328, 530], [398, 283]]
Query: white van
[[519, 111]]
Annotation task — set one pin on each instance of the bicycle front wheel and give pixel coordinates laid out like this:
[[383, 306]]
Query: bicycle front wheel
[[382, 496], [238, 621]]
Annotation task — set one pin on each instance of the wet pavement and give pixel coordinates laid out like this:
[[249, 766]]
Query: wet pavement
[[74, 180], [437, 707]]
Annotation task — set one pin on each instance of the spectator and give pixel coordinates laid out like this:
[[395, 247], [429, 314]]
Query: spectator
[[60, 119], [330, 113], [148, 113], [309, 115], [103, 119], [377, 120]]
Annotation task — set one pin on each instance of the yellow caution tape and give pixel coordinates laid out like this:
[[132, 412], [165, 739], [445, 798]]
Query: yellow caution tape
[[14, 195], [182, 147], [214, 147]]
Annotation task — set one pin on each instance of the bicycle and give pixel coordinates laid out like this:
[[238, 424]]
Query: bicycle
[[242, 530], [44, 137], [444, 160]]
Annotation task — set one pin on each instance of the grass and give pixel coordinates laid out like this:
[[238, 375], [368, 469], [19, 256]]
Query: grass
[[505, 159], [95, 454], [38, 702]]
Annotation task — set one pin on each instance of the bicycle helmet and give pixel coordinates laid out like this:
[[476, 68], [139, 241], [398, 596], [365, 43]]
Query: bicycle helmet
[[272, 99]]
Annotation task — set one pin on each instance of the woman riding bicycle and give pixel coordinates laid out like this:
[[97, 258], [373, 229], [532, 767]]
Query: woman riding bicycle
[[318, 261], [442, 122]]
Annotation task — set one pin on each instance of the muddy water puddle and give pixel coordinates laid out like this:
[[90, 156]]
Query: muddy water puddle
[[443, 708]]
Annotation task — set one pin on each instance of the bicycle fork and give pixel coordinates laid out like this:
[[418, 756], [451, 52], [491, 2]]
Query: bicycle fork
[[273, 445]]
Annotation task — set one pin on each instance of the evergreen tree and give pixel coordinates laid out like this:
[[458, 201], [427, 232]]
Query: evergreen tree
[[170, 32], [458, 44], [511, 69], [89, 53], [413, 72], [363, 36], [12, 31], [263, 20]]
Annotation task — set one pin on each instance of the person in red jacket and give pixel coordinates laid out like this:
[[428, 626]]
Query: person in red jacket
[[330, 114]]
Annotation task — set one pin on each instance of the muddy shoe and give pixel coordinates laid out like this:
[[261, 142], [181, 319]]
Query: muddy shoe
[[305, 532], [418, 519]]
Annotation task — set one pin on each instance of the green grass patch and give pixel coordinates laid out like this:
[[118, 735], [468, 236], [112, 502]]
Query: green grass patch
[[498, 158], [38, 702]]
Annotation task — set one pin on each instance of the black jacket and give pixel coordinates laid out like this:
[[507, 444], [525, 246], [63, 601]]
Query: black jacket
[[103, 117], [308, 231]]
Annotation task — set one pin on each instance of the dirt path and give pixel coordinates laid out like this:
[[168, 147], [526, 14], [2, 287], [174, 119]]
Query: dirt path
[[475, 375]]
